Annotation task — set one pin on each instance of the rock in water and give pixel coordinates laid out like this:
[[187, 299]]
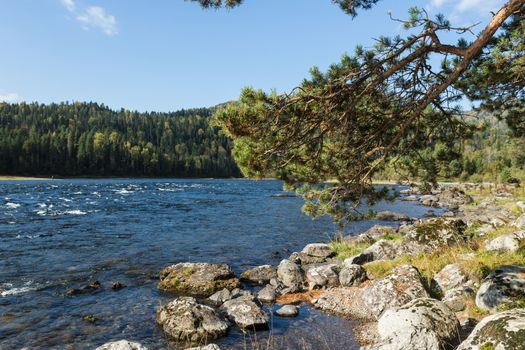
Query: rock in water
[[391, 216], [245, 313], [267, 294], [288, 311], [504, 285], [220, 297], [260, 274], [290, 275], [421, 324], [197, 279], [397, 289], [185, 320], [505, 331], [122, 345]]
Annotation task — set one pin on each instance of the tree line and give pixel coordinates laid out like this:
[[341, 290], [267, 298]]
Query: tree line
[[88, 139]]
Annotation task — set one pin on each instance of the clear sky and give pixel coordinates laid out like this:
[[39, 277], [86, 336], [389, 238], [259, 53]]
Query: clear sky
[[165, 55]]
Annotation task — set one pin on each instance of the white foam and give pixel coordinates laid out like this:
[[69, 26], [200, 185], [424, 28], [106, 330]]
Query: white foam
[[12, 205], [19, 290], [75, 212]]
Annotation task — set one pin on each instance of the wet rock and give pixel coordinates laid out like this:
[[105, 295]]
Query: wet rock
[[432, 235], [453, 197], [267, 294], [321, 276], [391, 216], [288, 311], [380, 250], [320, 250], [122, 345], [352, 275], [290, 275], [504, 285], [505, 331], [184, 319], [91, 288], [421, 324], [400, 287], [197, 279], [220, 297], [451, 276], [260, 274], [207, 347], [506, 243], [118, 286], [456, 298], [245, 313]]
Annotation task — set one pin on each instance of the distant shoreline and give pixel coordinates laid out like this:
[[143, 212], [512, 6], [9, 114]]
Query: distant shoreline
[[23, 178]]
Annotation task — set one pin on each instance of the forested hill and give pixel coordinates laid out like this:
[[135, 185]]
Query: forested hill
[[88, 139]]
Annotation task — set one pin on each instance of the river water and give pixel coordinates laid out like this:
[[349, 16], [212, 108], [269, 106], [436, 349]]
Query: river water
[[61, 234]]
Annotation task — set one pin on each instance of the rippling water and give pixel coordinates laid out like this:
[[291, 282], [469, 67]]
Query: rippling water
[[64, 234]]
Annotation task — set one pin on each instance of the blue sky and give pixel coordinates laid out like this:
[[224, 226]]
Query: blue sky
[[165, 55]]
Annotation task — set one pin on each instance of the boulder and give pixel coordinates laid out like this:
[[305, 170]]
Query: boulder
[[400, 287], [301, 258], [507, 243], [260, 274], [370, 236], [220, 297], [359, 259], [410, 198], [267, 294], [431, 235], [122, 345], [320, 250], [451, 276], [520, 222], [505, 331], [504, 285], [242, 294], [387, 215], [452, 198], [186, 320], [321, 276], [290, 275], [207, 347], [456, 298], [197, 279], [381, 250], [352, 275], [288, 311], [421, 324], [429, 200], [245, 313]]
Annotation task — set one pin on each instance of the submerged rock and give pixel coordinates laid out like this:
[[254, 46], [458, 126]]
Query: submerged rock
[[421, 324], [505, 331], [245, 313], [288, 311], [197, 279], [184, 319], [91, 288], [260, 274], [400, 287], [290, 275], [504, 285], [122, 345]]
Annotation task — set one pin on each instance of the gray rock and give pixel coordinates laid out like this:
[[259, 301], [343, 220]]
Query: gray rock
[[503, 285], [321, 276], [122, 345], [184, 319], [352, 275], [453, 197], [220, 297], [381, 250], [421, 324], [456, 298], [451, 276], [245, 313], [197, 279], [387, 215], [400, 287], [290, 275], [428, 200], [359, 259], [242, 294], [207, 347], [320, 250], [502, 331], [260, 274], [484, 229], [520, 222], [288, 311], [370, 236], [508, 243], [267, 294], [301, 258], [410, 198]]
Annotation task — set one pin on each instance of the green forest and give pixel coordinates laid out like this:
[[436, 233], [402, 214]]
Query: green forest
[[89, 139]]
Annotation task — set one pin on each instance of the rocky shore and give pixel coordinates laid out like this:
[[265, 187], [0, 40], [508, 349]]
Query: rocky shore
[[451, 282]]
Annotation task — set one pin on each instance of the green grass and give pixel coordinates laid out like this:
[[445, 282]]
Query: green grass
[[346, 250]]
